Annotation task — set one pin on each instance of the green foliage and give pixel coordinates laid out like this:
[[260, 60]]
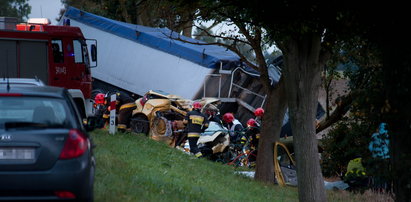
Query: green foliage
[[351, 136], [153, 13], [347, 140], [15, 8]]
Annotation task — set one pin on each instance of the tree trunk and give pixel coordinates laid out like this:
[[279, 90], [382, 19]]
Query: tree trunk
[[302, 82], [397, 71], [270, 132]]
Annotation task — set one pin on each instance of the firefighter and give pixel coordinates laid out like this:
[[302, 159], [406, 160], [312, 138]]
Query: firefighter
[[125, 105], [106, 114], [99, 99], [196, 123], [212, 113], [259, 113], [356, 177], [252, 133], [234, 126], [100, 110]]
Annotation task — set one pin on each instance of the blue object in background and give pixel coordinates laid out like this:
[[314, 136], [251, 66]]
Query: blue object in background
[[379, 145]]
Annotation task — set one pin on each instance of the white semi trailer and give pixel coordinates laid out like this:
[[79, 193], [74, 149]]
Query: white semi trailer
[[137, 59]]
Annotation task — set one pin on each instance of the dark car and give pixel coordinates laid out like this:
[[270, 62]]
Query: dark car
[[45, 150]]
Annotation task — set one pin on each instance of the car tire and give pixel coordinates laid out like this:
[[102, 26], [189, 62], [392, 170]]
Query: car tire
[[140, 124]]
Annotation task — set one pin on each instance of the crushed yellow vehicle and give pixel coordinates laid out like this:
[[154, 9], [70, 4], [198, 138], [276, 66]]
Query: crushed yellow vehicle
[[284, 165], [159, 114]]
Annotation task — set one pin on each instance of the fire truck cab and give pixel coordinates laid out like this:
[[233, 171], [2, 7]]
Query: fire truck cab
[[57, 55]]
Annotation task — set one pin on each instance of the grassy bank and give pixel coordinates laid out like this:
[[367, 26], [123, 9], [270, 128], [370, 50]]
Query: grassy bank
[[133, 167]]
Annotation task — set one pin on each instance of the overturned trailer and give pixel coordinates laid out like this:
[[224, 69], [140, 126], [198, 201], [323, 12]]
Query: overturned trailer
[[137, 59]]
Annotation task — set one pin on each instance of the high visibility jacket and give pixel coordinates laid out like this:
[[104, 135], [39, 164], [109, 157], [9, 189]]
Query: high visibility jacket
[[355, 167], [123, 101], [196, 123]]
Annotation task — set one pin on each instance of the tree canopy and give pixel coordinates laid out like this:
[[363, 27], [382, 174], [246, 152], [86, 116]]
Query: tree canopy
[[15, 8], [153, 13]]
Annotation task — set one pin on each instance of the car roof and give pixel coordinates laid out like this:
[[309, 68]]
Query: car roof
[[22, 81], [46, 91]]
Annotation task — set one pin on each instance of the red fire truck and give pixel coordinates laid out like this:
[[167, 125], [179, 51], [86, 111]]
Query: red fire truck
[[57, 55]]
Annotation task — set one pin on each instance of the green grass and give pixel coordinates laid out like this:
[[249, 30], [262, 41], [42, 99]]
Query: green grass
[[132, 167]]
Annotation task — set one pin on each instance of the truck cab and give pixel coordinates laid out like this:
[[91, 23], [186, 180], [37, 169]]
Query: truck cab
[[57, 55]]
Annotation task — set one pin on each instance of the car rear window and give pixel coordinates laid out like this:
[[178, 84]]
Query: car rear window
[[43, 111]]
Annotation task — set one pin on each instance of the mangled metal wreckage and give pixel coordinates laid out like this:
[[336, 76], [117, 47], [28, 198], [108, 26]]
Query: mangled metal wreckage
[[160, 115]]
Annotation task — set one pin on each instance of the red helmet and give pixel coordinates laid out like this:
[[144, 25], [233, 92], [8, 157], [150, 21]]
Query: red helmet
[[99, 99], [251, 123], [259, 112], [196, 105], [228, 117]]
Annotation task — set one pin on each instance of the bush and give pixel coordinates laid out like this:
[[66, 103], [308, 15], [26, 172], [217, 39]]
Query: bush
[[347, 140]]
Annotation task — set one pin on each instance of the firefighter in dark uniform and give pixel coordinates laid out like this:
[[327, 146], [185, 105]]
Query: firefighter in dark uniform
[[212, 113], [235, 127], [252, 135], [125, 105], [196, 123], [100, 108]]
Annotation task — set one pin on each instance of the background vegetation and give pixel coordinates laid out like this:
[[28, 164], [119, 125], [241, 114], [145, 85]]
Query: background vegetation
[[15, 8]]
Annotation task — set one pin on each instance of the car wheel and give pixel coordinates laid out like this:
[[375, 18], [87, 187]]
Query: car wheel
[[140, 124]]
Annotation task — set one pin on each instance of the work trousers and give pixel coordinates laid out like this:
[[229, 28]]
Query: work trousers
[[192, 141]]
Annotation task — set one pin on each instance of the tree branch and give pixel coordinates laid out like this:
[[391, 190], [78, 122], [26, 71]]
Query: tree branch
[[220, 37], [326, 48], [342, 108], [255, 43]]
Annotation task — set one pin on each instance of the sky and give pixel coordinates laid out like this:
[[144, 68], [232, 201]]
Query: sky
[[45, 9]]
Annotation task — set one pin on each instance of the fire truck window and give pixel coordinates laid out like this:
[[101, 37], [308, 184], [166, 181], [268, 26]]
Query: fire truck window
[[78, 51], [85, 54], [56, 46]]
